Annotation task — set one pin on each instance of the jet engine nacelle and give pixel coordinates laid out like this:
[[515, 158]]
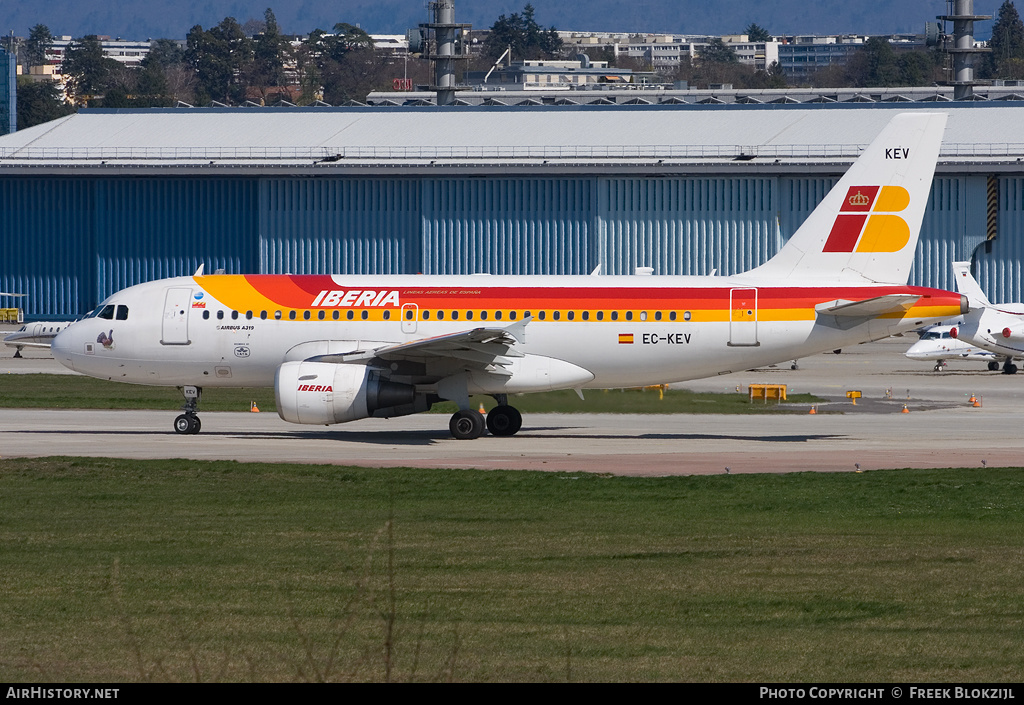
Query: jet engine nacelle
[[327, 393]]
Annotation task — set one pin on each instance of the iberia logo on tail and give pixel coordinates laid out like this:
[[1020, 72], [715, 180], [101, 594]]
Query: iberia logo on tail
[[867, 221]]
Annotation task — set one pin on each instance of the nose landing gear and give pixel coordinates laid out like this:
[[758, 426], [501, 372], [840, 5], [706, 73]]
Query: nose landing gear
[[189, 422]]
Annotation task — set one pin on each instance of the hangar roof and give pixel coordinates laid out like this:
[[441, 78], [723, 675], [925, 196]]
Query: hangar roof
[[978, 136]]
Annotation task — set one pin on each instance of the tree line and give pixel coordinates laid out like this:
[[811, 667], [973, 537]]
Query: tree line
[[231, 64]]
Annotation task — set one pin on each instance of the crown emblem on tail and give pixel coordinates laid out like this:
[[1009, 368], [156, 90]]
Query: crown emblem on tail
[[859, 199]]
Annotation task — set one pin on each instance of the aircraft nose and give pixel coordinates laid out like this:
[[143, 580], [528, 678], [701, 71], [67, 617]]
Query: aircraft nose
[[61, 347]]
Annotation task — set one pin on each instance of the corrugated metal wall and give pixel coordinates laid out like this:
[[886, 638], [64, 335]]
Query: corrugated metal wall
[[70, 242], [508, 226], [47, 249], [686, 225], [998, 267], [150, 228], [342, 226]]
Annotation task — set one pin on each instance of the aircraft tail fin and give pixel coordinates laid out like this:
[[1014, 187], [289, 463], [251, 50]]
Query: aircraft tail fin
[[967, 285], [866, 228]]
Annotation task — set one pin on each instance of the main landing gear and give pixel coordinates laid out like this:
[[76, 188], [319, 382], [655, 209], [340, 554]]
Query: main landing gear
[[502, 420], [1009, 368], [189, 422]]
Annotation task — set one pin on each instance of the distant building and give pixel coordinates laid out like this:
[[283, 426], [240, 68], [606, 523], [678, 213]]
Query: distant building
[[804, 56], [8, 93], [541, 75], [127, 52], [663, 51]]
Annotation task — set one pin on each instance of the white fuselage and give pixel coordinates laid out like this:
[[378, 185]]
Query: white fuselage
[[665, 329], [999, 330], [39, 334]]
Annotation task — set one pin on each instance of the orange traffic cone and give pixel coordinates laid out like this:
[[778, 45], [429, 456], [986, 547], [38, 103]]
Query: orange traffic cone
[[813, 410], [977, 402], [482, 409], [972, 400], [253, 408], [905, 410]]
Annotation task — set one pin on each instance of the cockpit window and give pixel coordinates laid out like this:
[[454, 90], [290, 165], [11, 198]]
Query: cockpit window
[[122, 313], [107, 312]]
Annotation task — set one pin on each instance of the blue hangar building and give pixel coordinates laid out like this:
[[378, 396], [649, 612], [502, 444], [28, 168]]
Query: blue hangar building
[[104, 199]]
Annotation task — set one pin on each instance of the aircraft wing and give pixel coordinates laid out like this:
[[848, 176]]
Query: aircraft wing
[[868, 308], [21, 344], [481, 348]]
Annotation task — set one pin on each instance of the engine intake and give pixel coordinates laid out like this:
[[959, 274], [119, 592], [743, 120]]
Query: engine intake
[[328, 393]]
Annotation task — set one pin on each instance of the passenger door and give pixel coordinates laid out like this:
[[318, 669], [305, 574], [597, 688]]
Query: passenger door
[[175, 324], [743, 317]]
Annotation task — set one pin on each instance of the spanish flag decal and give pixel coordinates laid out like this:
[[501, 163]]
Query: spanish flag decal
[[625, 338]]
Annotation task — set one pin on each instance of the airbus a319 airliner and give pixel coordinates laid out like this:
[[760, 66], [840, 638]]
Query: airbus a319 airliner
[[341, 348]]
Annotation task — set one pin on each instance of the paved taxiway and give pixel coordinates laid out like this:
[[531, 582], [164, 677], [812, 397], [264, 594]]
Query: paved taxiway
[[941, 429]]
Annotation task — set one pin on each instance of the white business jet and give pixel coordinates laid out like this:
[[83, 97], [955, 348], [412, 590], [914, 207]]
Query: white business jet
[[341, 348], [998, 328], [39, 334], [937, 344]]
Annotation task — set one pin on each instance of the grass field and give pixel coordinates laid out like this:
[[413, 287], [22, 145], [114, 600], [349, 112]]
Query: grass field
[[181, 570], [79, 392]]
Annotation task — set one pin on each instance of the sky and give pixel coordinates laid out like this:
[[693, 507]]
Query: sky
[[132, 19]]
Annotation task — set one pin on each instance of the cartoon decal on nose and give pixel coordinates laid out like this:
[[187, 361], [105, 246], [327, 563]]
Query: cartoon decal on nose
[[106, 340], [867, 221]]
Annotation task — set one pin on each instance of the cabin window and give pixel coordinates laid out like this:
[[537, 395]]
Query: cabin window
[[615, 315], [234, 315], [248, 315], [321, 314], [643, 315], [365, 314], [542, 315], [440, 315], [336, 314], [585, 315], [220, 315], [305, 315], [483, 315], [497, 315], [686, 315], [387, 315], [556, 315], [469, 315], [408, 314], [350, 314], [657, 315], [600, 315], [629, 315], [426, 315], [571, 315], [263, 315], [206, 314], [511, 315], [672, 316], [291, 315], [277, 315]]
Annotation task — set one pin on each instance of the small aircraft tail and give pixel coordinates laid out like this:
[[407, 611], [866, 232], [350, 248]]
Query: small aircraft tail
[[866, 229], [967, 285]]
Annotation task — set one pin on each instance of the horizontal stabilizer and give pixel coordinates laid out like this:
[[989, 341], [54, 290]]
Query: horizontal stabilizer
[[868, 308]]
